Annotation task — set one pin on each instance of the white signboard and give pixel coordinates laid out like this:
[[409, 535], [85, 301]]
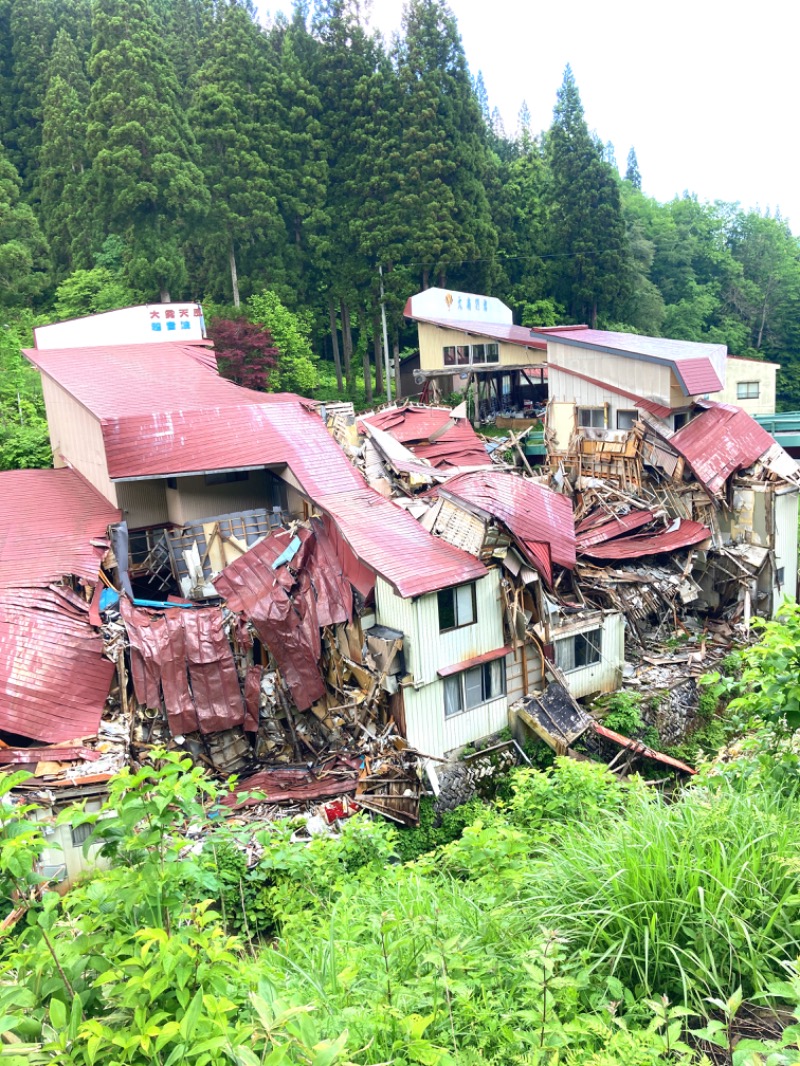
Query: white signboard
[[449, 304], [148, 324]]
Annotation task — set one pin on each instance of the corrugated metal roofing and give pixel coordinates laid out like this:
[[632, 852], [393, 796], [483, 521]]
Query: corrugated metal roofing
[[691, 362], [457, 444], [684, 535], [393, 544], [163, 412], [616, 526], [720, 441], [539, 519], [522, 336], [53, 678], [48, 520]]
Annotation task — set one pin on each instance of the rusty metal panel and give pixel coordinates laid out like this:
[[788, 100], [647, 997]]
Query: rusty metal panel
[[173, 648], [682, 534], [720, 441], [539, 519]]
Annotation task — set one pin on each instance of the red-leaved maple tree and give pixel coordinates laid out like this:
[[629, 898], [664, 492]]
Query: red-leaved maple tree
[[246, 353]]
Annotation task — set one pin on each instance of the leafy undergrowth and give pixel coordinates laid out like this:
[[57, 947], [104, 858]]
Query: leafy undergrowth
[[577, 920]]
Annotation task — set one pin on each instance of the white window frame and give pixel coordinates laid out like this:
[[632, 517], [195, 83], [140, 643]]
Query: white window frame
[[465, 606], [580, 641], [487, 678], [592, 411], [748, 390]]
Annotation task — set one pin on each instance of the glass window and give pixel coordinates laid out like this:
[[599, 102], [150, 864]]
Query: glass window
[[462, 354], [492, 353], [471, 688], [478, 353], [580, 649], [450, 356], [592, 417], [626, 419], [452, 695], [747, 390], [457, 607]]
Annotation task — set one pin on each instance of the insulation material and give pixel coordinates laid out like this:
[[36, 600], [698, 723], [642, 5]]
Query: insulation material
[[185, 655], [53, 678]]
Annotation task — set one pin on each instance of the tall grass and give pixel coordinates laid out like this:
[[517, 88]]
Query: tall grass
[[690, 899]]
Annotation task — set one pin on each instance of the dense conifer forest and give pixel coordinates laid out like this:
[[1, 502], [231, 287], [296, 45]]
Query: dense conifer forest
[[154, 147]]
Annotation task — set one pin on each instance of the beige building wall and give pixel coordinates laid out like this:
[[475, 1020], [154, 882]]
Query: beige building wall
[[434, 339], [77, 439], [651, 381], [746, 377], [143, 503]]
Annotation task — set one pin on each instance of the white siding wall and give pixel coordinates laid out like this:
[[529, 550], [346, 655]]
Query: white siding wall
[[786, 507], [427, 650], [605, 676], [76, 438], [653, 381]]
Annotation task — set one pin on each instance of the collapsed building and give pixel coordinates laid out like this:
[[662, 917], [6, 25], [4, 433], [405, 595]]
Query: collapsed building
[[324, 608]]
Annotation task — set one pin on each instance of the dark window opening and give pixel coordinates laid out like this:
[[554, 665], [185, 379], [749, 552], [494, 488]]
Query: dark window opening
[[457, 607]]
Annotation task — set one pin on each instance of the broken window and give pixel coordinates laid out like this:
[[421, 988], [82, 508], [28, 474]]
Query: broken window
[[580, 649], [457, 607], [592, 417], [626, 419], [276, 489], [747, 390], [471, 688]]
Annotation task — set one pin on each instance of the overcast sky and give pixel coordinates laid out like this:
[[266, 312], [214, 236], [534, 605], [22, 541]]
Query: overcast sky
[[705, 92]]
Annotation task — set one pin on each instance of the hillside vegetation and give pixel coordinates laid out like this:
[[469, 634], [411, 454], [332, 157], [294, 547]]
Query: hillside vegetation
[[579, 920]]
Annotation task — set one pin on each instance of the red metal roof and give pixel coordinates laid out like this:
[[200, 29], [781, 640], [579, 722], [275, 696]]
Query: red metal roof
[[522, 336], [539, 519], [615, 526], [53, 678], [476, 660], [393, 544], [684, 535], [691, 362], [48, 520], [456, 445], [162, 412], [720, 441]]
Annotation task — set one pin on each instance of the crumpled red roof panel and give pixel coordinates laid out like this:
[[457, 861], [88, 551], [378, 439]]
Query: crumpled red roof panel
[[53, 678], [720, 441], [414, 425], [685, 534], [539, 519]]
